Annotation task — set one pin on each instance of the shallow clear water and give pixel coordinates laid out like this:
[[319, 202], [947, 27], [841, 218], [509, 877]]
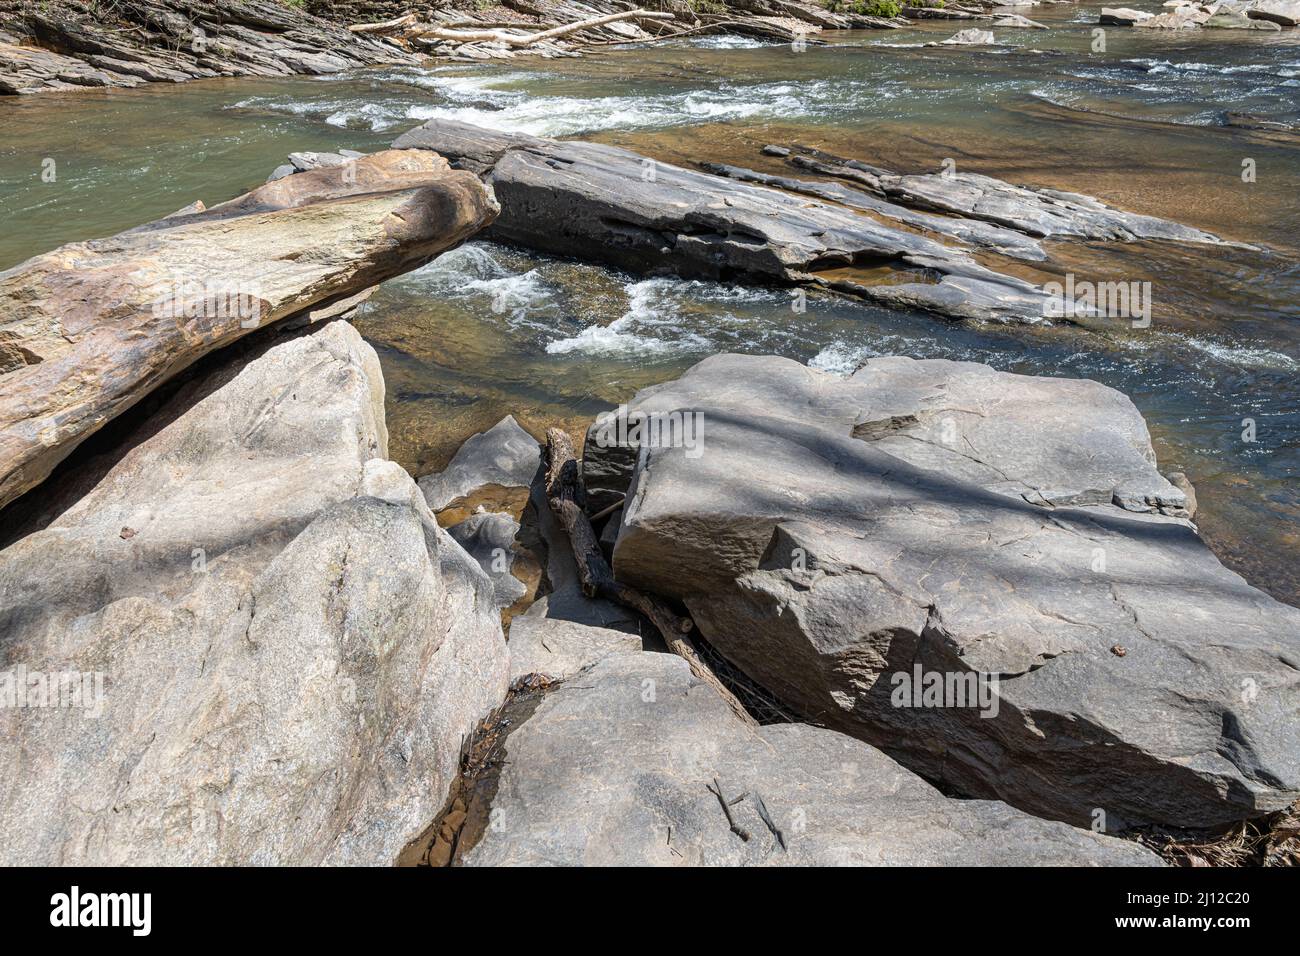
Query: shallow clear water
[[487, 330]]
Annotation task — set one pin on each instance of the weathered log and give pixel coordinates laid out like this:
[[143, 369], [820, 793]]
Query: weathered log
[[516, 40], [386, 26], [91, 327], [564, 492]]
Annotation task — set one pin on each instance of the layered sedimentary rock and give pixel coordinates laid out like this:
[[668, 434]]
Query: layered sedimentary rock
[[90, 327], [609, 205], [840, 540], [65, 46], [277, 652]]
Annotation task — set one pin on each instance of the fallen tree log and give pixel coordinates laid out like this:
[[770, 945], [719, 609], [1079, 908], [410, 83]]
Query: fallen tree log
[[518, 40], [386, 26], [90, 328], [564, 493]]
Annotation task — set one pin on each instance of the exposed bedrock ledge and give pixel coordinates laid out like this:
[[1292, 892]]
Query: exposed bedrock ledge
[[836, 533], [67, 46], [279, 650], [90, 327], [610, 205]]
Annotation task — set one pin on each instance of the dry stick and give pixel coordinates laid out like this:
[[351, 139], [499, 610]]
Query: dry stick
[[564, 493], [608, 510], [736, 828], [512, 39]]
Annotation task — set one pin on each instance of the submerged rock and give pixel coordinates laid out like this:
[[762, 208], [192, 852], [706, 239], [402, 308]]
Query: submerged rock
[[834, 535], [284, 649], [88, 329], [617, 767]]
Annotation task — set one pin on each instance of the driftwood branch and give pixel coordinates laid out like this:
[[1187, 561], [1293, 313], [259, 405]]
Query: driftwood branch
[[566, 496], [521, 40], [386, 26]]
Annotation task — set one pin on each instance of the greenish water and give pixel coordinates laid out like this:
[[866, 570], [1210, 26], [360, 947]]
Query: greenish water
[[486, 330]]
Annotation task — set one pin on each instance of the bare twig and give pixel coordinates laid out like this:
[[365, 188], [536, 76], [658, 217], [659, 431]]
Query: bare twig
[[736, 828]]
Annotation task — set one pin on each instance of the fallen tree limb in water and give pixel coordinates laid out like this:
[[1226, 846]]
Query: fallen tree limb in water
[[516, 40], [386, 26], [565, 495]]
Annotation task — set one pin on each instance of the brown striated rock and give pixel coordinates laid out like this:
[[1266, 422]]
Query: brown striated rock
[[88, 329]]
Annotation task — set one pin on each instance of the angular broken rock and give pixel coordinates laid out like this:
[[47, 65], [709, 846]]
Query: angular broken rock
[[282, 659], [556, 648], [489, 538], [592, 201], [1122, 16], [1283, 12], [605, 773], [837, 534], [91, 327], [504, 455]]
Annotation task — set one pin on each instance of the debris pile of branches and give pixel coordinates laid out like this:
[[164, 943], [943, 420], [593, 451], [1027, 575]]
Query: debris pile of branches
[[551, 28]]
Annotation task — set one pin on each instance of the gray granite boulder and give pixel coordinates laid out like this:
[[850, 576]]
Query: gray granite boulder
[[836, 534], [504, 455], [615, 768], [278, 651]]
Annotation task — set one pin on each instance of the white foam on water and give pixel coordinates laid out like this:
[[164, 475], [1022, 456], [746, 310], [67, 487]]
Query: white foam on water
[[729, 41], [660, 315], [1226, 353], [483, 101], [1246, 357], [839, 358]]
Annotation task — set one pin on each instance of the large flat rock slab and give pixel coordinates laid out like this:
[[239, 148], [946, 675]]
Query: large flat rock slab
[[610, 205], [91, 327], [605, 204], [615, 768], [279, 651], [836, 534]]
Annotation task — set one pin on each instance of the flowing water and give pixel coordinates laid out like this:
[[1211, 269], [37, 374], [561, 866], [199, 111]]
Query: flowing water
[[487, 330]]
